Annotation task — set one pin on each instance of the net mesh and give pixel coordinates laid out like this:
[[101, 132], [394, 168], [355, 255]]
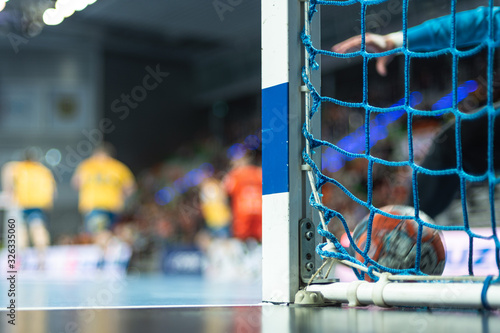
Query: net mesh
[[359, 144]]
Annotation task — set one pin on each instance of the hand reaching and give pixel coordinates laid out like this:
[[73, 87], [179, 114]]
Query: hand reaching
[[374, 44]]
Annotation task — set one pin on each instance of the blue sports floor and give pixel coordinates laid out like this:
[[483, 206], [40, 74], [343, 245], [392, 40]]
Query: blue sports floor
[[134, 291]]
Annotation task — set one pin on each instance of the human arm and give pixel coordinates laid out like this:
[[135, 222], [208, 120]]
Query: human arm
[[76, 179], [471, 29], [434, 34], [373, 43], [8, 177], [8, 182], [128, 181]]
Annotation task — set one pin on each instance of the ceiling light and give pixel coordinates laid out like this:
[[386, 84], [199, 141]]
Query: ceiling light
[[79, 4], [65, 8], [52, 17]]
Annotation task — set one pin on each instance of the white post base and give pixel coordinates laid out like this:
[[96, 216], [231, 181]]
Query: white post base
[[383, 293]]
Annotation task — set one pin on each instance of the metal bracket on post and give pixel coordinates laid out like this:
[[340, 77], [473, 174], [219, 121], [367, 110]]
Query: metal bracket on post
[[307, 255], [307, 246]]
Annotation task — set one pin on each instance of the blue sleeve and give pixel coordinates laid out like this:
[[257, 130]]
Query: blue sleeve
[[472, 29]]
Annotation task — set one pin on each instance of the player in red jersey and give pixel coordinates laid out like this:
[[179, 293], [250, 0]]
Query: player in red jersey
[[243, 184]]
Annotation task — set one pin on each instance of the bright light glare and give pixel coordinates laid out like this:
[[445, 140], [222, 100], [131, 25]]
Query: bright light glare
[[80, 4], [52, 17], [2, 5], [53, 156], [65, 7]]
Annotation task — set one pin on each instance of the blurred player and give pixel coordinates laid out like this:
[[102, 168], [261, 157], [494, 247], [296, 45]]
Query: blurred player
[[104, 184], [243, 183], [215, 208], [437, 192], [32, 188]]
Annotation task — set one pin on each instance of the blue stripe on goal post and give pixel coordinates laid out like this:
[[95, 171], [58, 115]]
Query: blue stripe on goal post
[[275, 139]]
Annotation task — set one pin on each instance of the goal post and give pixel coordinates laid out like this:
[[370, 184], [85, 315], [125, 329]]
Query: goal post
[[293, 213], [285, 186]]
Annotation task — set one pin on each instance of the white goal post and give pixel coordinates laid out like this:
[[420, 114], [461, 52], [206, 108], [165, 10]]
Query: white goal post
[[285, 185]]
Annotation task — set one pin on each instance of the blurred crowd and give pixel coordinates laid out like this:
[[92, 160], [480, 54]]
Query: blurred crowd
[[205, 192], [188, 201]]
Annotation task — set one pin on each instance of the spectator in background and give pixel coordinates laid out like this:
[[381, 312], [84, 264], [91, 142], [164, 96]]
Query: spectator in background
[[243, 184], [31, 187], [104, 184]]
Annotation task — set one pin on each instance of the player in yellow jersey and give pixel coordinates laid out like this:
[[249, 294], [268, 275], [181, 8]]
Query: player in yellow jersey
[[31, 187], [104, 184], [215, 208]]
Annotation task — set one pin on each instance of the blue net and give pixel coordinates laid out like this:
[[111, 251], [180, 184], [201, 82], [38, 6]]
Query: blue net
[[359, 144]]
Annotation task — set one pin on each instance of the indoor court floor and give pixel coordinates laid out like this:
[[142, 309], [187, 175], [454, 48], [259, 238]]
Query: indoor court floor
[[160, 303]]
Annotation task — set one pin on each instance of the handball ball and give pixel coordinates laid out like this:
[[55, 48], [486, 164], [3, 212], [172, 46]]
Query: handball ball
[[394, 241]]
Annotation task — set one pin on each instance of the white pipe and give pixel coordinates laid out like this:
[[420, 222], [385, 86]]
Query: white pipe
[[384, 293]]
